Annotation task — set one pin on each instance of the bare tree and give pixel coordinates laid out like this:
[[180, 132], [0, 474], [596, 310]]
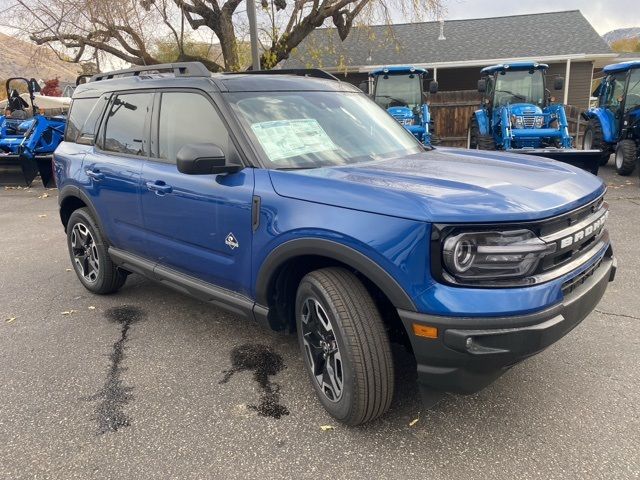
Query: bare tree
[[130, 30]]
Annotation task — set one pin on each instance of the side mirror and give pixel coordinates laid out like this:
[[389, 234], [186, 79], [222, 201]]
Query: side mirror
[[364, 86], [482, 85], [433, 87], [203, 159], [558, 83]]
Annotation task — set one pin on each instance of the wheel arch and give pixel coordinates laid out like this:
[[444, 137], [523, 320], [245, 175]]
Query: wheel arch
[[606, 123], [284, 267], [70, 199]]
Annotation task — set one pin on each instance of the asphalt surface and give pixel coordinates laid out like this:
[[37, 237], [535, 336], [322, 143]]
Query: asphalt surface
[[148, 383]]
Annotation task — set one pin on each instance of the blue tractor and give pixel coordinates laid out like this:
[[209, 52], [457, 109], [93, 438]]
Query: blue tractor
[[518, 115], [400, 90], [27, 140], [614, 125]]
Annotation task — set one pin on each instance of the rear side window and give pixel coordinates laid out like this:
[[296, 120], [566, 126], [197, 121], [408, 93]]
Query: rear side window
[[126, 124], [80, 109], [187, 117]]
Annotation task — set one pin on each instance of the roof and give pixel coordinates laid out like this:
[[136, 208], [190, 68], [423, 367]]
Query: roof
[[622, 66], [521, 36], [398, 69], [503, 67], [225, 82]]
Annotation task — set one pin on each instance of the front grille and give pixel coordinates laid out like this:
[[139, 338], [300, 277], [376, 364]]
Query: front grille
[[404, 121], [570, 285], [529, 121]]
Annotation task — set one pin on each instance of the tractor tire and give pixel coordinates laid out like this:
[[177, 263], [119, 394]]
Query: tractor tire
[[593, 139], [626, 157], [344, 345], [89, 255], [477, 141], [472, 134]]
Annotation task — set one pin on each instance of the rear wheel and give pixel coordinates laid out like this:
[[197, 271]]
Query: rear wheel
[[89, 255], [626, 157], [345, 346], [594, 140], [476, 140]]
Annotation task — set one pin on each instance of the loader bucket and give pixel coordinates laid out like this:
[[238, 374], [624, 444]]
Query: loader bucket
[[588, 160], [16, 170]]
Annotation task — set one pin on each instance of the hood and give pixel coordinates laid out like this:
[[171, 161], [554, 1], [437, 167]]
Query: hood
[[447, 185], [400, 112], [524, 109]]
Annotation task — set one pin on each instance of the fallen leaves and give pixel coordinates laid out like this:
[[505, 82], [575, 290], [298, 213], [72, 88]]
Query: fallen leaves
[[42, 215], [414, 421], [10, 319], [326, 428], [68, 312], [44, 195], [67, 270], [91, 307]]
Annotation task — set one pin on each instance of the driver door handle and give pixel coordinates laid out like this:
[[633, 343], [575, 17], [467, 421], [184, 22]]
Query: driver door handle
[[95, 175]]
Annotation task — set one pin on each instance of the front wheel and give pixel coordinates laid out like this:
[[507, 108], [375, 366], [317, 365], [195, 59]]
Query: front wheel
[[345, 345], [626, 157], [593, 139]]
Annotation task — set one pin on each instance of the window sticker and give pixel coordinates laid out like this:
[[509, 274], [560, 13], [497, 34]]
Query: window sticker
[[282, 139]]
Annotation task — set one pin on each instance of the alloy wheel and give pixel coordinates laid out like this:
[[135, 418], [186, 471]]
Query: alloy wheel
[[85, 252], [321, 349]]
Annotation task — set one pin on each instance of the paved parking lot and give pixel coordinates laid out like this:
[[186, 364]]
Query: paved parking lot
[[142, 384]]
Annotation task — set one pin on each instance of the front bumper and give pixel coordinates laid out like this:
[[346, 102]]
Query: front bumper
[[471, 352]]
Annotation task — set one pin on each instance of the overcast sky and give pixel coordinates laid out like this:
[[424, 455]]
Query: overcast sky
[[604, 15]]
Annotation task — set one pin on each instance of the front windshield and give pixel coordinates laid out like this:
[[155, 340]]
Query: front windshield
[[398, 91], [633, 94], [519, 86], [319, 129]]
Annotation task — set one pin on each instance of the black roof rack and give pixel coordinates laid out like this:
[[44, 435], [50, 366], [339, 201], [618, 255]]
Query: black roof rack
[[181, 69], [301, 72]]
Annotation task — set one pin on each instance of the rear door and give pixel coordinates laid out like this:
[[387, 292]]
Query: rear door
[[199, 225], [112, 168]]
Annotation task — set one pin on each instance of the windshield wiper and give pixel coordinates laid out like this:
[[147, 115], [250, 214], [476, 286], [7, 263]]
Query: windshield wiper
[[513, 94], [394, 99]]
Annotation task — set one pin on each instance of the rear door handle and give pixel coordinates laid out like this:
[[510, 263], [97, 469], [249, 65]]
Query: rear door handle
[[95, 175], [159, 187]]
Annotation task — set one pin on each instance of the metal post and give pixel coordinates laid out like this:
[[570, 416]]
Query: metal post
[[567, 79], [253, 32]]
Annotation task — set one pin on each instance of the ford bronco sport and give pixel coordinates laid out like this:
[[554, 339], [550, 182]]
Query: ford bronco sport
[[297, 202]]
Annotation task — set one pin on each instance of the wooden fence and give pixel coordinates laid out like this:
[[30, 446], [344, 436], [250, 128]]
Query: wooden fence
[[451, 112]]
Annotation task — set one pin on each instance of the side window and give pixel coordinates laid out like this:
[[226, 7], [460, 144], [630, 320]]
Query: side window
[[125, 124], [615, 90], [80, 109], [90, 127], [187, 117]]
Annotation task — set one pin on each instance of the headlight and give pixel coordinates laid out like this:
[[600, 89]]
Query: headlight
[[492, 255], [517, 121], [539, 121]]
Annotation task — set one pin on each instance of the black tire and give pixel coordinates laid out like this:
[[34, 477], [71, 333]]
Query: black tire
[[357, 335], [472, 134], [626, 157], [593, 139], [93, 266]]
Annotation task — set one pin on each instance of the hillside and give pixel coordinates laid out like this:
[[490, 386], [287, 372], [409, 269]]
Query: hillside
[[621, 34], [23, 59]]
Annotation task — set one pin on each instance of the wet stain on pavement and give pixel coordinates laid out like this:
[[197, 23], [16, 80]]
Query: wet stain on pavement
[[114, 395], [264, 363]]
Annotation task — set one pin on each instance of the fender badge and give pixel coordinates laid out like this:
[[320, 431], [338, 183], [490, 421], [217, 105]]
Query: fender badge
[[231, 241]]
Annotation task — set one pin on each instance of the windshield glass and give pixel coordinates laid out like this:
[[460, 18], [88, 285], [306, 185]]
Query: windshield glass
[[633, 94], [398, 91], [519, 86], [319, 129]]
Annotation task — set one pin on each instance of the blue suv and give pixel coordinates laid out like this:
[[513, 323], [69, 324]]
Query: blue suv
[[292, 199]]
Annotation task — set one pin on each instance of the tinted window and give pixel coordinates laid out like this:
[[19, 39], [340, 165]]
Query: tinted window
[[188, 118], [80, 109], [89, 129], [124, 131]]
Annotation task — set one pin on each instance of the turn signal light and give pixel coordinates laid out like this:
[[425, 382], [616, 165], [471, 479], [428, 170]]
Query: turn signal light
[[425, 331]]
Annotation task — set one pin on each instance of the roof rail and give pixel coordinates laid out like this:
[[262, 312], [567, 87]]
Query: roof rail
[[301, 72], [181, 69]]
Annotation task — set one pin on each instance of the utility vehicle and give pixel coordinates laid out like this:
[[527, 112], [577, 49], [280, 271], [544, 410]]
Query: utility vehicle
[[517, 115], [614, 125], [298, 203]]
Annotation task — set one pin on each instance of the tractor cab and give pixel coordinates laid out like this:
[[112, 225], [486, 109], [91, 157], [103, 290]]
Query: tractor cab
[[400, 91], [614, 125], [18, 114]]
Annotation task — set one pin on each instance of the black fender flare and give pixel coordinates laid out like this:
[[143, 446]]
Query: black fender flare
[[69, 191], [336, 251]]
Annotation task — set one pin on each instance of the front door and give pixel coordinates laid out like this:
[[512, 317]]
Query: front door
[[199, 225]]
